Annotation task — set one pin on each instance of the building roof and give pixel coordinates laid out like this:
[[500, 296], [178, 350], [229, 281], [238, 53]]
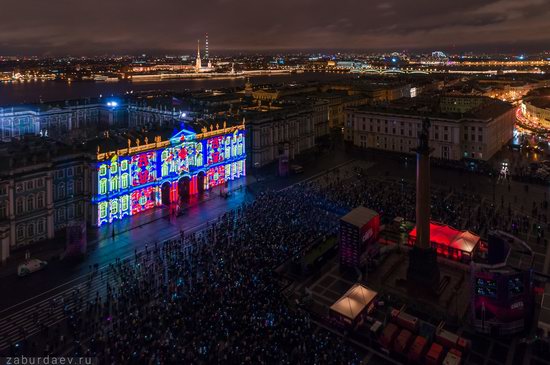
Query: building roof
[[504, 251], [444, 235], [429, 105], [33, 151], [354, 301], [359, 216], [118, 139]]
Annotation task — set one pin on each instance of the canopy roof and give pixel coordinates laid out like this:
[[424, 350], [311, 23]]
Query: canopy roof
[[444, 235], [359, 216], [354, 301]]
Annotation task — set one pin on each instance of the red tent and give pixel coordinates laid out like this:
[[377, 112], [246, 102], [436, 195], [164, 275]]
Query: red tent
[[449, 242]]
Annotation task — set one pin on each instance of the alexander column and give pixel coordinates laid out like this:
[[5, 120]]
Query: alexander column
[[423, 271]]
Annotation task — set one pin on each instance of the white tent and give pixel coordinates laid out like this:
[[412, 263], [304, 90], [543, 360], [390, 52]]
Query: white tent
[[353, 302]]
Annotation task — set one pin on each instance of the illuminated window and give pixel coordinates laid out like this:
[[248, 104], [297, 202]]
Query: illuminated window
[[103, 186], [114, 207], [124, 203], [234, 146], [124, 165], [240, 145], [102, 209], [124, 181], [228, 148], [114, 183], [102, 170], [114, 168], [228, 169], [165, 169]]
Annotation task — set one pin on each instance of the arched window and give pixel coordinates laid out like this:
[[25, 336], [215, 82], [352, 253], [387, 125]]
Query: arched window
[[41, 226], [30, 230], [103, 186], [20, 232], [114, 184], [40, 201], [19, 206], [125, 181], [61, 190], [79, 186], [30, 203]]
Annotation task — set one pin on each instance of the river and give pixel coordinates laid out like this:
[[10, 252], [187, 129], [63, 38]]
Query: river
[[34, 91]]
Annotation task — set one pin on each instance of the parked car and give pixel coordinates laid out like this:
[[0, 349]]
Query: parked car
[[30, 266]]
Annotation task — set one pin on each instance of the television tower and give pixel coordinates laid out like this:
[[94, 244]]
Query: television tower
[[206, 48]]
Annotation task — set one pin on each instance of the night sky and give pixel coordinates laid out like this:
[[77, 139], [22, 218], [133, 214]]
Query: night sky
[[82, 27]]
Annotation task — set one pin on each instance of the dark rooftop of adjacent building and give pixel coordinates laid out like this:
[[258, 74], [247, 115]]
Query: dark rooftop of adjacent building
[[430, 105]]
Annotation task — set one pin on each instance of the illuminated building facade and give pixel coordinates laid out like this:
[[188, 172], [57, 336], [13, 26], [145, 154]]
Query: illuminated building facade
[[455, 134], [135, 179]]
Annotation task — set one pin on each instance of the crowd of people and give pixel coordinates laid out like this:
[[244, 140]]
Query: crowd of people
[[213, 296], [459, 207]]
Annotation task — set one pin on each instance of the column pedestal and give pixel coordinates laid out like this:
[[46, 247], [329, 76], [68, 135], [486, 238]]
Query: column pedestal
[[423, 272]]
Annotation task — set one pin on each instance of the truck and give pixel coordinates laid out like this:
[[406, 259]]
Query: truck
[[451, 340], [405, 320]]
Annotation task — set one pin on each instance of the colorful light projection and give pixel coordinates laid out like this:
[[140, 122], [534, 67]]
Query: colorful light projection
[[128, 185], [144, 168], [180, 159]]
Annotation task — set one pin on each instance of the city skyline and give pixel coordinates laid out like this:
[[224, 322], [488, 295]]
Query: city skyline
[[59, 27]]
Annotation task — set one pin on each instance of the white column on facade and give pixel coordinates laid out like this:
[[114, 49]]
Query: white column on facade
[[11, 214], [91, 189], [49, 205]]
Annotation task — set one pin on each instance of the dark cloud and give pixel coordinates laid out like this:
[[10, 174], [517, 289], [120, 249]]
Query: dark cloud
[[109, 26]]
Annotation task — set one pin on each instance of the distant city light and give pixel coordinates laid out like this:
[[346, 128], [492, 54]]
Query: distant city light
[[112, 104]]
